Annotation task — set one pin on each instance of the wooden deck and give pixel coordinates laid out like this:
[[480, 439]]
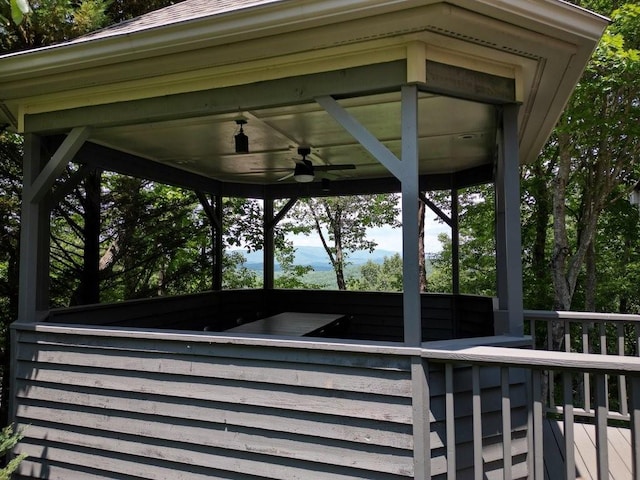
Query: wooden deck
[[619, 443]]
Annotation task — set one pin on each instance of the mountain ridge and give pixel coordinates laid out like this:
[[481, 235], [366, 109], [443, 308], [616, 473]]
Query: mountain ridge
[[316, 257]]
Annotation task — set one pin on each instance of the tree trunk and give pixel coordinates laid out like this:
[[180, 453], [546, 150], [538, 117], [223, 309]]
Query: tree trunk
[[338, 263], [591, 281], [89, 290], [421, 260]]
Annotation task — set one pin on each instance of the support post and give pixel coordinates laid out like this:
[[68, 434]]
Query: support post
[[269, 244], [33, 295], [455, 243], [508, 240], [410, 195], [218, 247]]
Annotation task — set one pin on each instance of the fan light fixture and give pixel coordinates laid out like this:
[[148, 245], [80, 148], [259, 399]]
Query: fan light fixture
[[242, 141], [303, 173]]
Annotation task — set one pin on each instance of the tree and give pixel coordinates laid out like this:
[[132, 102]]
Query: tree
[[375, 277], [342, 222], [476, 218], [595, 150]]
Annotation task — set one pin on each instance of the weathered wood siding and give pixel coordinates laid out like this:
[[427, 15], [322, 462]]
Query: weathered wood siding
[[378, 316], [162, 407], [210, 310], [107, 403], [373, 316]]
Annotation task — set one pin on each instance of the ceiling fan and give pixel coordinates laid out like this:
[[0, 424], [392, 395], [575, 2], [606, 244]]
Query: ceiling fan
[[304, 170]]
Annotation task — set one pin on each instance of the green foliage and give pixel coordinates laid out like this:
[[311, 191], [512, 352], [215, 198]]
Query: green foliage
[[477, 245], [342, 222], [291, 275], [8, 440], [375, 277], [10, 192], [17, 9], [236, 275], [51, 21]]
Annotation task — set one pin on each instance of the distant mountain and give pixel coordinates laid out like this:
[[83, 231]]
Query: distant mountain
[[317, 258]]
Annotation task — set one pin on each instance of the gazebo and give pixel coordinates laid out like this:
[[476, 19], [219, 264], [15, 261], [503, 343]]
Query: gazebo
[[389, 96]]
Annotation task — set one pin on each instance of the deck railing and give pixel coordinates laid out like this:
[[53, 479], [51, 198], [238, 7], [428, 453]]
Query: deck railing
[[585, 332], [537, 362]]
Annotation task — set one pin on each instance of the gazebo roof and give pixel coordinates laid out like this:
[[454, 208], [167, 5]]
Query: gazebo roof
[[170, 85]]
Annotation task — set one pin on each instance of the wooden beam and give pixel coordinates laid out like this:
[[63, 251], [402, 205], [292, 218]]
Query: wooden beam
[[455, 243], [58, 162], [300, 89], [33, 292], [374, 146], [208, 209], [283, 211], [460, 82], [435, 209], [421, 408], [409, 196], [508, 236], [269, 245]]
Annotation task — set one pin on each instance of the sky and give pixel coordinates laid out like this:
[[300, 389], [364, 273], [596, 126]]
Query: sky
[[389, 238]]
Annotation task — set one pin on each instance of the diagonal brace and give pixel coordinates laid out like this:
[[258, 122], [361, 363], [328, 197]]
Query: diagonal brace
[[362, 135], [57, 164], [435, 209], [283, 211]]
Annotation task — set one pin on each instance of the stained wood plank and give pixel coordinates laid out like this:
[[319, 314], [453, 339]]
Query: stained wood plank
[[299, 399], [365, 431], [619, 449], [395, 383], [132, 434]]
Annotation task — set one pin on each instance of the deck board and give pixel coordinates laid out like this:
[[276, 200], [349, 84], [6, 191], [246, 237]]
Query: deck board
[[619, 447]]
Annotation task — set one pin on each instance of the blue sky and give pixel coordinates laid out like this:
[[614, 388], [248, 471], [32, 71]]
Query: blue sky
[[389, 238]]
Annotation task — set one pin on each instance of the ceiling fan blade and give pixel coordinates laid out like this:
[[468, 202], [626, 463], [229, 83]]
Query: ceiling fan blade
[[289, 175], [344, 166], [267, 170]]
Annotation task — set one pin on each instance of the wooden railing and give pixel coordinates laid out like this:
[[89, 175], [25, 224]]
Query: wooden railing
[[537, 362], [585, 332]]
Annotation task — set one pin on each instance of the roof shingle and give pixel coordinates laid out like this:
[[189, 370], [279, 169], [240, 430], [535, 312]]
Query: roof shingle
[[184, 11]]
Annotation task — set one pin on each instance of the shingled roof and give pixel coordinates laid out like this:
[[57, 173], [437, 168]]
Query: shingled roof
[[181, 12]]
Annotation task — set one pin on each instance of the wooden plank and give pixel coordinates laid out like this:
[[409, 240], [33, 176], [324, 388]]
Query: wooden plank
[[553, 449], [586, 463], [354, 379], [619, 455], [538, 359], [506, 424], [131, 433], [602, 450], [477, 423], [349, 404], [270, 93], [365, 431], [421, 405], [163, 461], [569, 455], [371, 355], [450, 422], [634, 421]]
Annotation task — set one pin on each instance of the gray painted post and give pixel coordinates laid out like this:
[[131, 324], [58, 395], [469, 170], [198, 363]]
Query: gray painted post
[[217, 243], [410, 195], [455, 243], [33, 295], [508, 241], [269, 245]]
